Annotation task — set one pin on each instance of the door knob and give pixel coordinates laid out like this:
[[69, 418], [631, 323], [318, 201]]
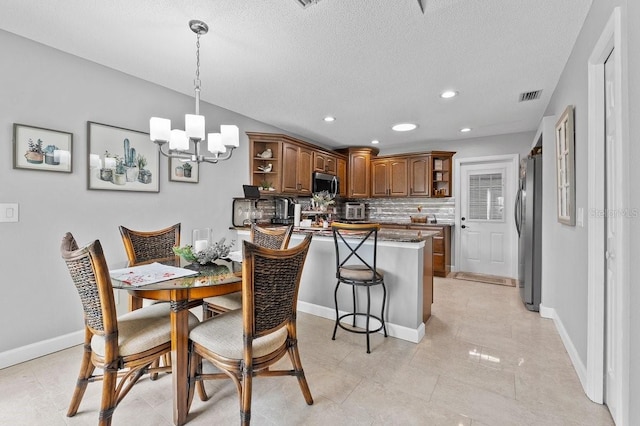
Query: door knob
[[463, 226]]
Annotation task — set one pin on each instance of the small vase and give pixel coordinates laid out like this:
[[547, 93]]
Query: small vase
[[119, 178], [132, 174]]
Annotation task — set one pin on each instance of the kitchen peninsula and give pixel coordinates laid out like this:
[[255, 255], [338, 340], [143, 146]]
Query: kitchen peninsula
[[405, 256]]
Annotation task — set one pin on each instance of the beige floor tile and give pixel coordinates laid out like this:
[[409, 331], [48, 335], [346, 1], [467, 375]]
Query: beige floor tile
[[485, 360]]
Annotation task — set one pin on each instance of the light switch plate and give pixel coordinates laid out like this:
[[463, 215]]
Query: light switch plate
[[9, 212]]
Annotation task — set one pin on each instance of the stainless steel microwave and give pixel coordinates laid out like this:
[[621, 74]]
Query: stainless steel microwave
[[326, 182]]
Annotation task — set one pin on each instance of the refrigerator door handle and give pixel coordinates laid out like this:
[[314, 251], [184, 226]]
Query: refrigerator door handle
[[517, 211]]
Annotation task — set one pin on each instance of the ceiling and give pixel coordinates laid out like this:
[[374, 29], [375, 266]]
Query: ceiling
[[369, 63]]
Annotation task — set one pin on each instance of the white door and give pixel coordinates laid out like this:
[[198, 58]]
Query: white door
[[612, 383], [486, 207]]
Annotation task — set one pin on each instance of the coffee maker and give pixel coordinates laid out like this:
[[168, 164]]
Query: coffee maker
[[284, 208]]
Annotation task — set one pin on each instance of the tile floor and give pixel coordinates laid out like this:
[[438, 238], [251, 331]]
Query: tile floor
[[485, 360]]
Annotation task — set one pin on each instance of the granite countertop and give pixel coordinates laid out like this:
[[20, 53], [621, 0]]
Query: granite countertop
[[417, 225], [397, 235]]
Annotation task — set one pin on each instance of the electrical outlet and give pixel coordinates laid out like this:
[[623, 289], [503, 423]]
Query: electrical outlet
[[378, 210], [9, 212]]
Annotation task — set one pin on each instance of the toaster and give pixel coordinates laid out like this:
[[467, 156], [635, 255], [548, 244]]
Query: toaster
[[355, 211]]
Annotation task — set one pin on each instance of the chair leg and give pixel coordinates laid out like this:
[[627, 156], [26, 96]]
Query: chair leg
[[384, 299], [299, 373], [154, 364], [335, 298], [353, 291], [245, 399], [86, 370], [108, 404], [368, 317]]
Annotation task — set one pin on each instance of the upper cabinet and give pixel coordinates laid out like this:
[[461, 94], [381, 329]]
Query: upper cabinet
[[441, 173], [341, 166], [326, 163], [389, 177], [265, 157], [359, 171], [419, 184], [297, 168]]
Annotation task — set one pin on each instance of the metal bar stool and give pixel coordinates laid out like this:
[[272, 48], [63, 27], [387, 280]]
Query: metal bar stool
[[356, 266]]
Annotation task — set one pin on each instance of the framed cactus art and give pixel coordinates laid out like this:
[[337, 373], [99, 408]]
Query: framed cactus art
[[121, 159], [37, 148]]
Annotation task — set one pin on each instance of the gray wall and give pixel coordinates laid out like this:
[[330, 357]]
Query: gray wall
[[47, 88], [568, 272]]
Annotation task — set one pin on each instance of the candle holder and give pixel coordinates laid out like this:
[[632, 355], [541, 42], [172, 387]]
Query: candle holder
[[201, 239]]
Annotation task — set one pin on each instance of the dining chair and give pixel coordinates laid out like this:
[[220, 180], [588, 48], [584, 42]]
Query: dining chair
[[246, 343], [122, 347], [142, 246], [273, 238], [356, 266]]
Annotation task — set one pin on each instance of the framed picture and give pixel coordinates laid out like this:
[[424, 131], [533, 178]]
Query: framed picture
[[565, 168], [183, 171], [42, 149], [121, 159]]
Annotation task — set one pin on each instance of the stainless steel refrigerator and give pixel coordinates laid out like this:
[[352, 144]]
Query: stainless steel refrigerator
[[528, 219]]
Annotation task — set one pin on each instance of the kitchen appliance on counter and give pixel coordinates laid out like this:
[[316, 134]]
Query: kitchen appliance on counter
[[528, 218], [355, 211], [284, 211]]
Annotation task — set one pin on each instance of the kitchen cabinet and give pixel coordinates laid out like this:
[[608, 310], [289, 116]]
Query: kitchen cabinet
[[389, 177], [325, 163], [265, 161], [441, 165], [297, 169], [419, 185], [441, 248], [359, 171], [341, 166]]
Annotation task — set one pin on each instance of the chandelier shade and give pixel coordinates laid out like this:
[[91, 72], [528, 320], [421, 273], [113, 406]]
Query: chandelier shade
[[179, 141]]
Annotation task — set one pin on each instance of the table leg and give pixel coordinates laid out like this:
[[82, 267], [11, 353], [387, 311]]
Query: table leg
[[180, 355]]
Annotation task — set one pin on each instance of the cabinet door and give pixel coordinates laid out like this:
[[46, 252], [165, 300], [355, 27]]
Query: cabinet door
[[397, 186], [341, 171], [419, 173], [379, 178], [290, 167], [359, 174], [305, 170], [324, 163]]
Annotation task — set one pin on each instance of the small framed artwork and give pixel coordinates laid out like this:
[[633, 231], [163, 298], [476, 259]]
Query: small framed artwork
[[565, 168], [183, 171], [42, 149], [121, 159]]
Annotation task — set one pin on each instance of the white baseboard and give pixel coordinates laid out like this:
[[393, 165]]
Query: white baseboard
[[38, 349], [578, 365], [393, 330]]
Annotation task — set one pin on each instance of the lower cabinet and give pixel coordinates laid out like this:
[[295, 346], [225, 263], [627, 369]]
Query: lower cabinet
[[441, 245]]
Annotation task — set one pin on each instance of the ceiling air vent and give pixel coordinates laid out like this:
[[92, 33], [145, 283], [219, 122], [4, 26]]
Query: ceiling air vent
[[306, 3], [530, 96]]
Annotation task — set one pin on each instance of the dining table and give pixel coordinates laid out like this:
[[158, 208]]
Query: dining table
[[222, 277]]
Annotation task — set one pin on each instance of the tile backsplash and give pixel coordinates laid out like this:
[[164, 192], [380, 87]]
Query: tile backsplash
[[399, 209]]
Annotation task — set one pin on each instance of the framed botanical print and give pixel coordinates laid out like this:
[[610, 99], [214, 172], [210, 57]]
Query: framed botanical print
[[37, 148], [565, 168], [121, 159], [183, 171]]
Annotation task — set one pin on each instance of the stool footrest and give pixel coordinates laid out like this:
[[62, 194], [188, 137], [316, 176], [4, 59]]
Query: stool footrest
[[360, 331]]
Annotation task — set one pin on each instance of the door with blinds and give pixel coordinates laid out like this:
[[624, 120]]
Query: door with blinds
[[485, 225]]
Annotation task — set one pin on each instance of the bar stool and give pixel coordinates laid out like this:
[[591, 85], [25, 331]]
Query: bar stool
[[356, 266]]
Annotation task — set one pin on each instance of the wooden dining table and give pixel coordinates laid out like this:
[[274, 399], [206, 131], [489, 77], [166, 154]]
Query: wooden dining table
[[183, 293]]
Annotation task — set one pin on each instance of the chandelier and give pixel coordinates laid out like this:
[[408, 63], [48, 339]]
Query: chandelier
[[220, 145]]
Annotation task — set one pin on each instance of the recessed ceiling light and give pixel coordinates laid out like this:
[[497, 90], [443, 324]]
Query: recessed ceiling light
[[448, 94], [404, 127], [375, 141], [329, 119], [465, 129]]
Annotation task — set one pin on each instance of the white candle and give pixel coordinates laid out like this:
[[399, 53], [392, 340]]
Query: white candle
[[199, 245], [64, 157]]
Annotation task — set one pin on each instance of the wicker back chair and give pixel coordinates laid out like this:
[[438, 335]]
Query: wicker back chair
[[124, 346], [356, 266], [142, 246], [273, 238], [246, 343]]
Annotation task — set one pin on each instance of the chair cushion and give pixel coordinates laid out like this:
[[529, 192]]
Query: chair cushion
[[231, 301], [358, 273], [222, 334], [142, 329]]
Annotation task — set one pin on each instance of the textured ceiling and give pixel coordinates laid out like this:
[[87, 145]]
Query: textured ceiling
[[370, 63]]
